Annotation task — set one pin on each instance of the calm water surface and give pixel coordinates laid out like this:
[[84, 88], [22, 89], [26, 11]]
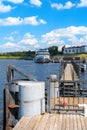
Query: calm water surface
[[38, 71]]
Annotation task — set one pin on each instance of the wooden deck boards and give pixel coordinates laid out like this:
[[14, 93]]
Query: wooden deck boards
[[69, 73], [73, 101], [52, 122]]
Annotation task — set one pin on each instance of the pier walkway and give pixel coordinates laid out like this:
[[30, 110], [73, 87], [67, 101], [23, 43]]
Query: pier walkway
[[69, 90], [53, 122], [64, 103], [69, 73]]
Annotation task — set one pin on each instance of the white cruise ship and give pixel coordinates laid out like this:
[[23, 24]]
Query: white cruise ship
[[42, 56]]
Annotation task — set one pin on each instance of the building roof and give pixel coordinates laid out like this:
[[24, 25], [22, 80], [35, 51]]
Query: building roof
[[75, 47]]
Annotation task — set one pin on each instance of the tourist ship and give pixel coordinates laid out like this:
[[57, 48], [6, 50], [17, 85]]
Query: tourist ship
[[42, 56]]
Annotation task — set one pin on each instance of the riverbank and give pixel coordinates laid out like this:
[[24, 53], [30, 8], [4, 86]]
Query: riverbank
[[15, 58], [82, 56]]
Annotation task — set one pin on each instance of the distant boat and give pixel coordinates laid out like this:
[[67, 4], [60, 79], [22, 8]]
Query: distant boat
[[42, 56]]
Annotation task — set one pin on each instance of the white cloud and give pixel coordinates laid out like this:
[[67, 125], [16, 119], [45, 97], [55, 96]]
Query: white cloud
[[83, 3], [5, 8], [16, 1], [70, 36], [36, 2], [29, 40], [9, 45], [14, 32], [66, 36], [59, 6], [41, 21], [10, 21], [12, 47], [10, 38], [34, 20]]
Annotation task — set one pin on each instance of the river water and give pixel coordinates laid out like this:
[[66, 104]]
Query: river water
[[38, 71]]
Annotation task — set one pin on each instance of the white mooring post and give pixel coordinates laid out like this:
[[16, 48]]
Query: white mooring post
[[85, 108], [52, 90]]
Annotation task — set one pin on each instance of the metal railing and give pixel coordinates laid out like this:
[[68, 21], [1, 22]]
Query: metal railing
[[67, 98], [66, 95]]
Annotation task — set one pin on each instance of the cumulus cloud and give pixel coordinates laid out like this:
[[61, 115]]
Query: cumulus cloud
[[16, 1], [10, 38], [33, 20], [69, 5], [36, 2], [24, 43], [10, 47], [83, 3], [5, 8], [29, 39], [10, 21], [59, 6], [70, 36], [66, 36]]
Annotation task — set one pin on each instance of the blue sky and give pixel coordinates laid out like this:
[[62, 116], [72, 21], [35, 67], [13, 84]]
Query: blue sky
[[32, 24]]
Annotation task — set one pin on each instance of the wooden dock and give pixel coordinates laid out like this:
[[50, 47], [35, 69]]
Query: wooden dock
[[53, 122], [72, 103], [69, 74]]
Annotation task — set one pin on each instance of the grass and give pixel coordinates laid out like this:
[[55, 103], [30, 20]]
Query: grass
[[82, 56], [10, 57]]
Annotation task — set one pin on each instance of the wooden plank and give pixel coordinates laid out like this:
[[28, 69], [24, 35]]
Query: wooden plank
[[71, 122], [50, 122], [85, 121], [56, 122], [60, 122], [69, 73], [79, 127], [67, 122], [43, 122], [37, 122], [63, 122], [73, 101], [22, 123], [31, 123], [82, 123], [75, 123], [53, 122]]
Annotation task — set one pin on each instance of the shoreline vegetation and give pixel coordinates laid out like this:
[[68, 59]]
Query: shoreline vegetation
[[31, 57]]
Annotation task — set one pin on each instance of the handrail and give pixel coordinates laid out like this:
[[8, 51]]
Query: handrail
[[10, 73]]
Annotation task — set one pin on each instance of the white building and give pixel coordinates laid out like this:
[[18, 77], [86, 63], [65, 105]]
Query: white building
[[75, 49]]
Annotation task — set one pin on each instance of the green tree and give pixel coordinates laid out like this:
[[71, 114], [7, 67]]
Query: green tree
[[63, 48], [53, 50]]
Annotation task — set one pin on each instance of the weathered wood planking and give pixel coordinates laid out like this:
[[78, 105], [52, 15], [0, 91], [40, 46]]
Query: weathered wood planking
[[52, 122], [73, 101], [69, 74]]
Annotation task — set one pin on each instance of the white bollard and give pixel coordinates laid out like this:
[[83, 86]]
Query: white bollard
[[85, 108]]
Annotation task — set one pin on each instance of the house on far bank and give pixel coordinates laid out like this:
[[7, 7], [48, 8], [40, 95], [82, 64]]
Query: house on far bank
[[75, 49]]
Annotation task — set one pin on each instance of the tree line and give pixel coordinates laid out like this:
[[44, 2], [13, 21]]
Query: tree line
[[52, 50]]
